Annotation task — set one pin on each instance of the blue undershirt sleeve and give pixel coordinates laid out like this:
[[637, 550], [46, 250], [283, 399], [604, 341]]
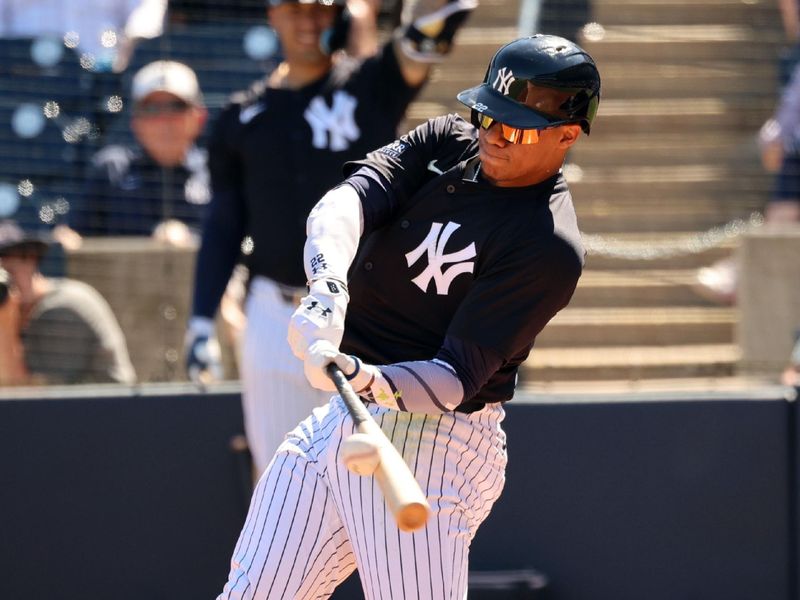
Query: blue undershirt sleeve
[[220, 247]]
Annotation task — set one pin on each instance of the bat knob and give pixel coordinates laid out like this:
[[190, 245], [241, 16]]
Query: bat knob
[[413, 516]]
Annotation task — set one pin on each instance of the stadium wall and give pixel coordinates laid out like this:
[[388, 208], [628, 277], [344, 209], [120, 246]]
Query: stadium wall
[[142, 494]]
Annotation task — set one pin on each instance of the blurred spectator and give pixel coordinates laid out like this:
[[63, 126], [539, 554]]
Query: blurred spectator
[[779, 142], [791, 374], [790, 19], [159, 185], [53, 331], [274, 152]]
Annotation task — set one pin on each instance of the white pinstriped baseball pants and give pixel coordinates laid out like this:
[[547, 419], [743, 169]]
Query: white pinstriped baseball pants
[[311, 521], [275, 393]]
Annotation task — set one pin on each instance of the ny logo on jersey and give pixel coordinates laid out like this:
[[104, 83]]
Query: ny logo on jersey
[[333, 127], [433, 245], [503, 81]]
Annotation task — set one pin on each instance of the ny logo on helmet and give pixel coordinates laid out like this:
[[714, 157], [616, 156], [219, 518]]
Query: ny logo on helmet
[[503, 81], [433, 245]]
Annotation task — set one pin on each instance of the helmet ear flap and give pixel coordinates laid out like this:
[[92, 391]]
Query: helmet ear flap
[[474, 119]]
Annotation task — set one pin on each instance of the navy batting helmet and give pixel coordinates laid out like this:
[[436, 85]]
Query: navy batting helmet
[[538, 82]]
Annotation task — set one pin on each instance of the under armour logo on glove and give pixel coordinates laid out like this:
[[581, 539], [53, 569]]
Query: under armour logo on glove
[[315, 306], [320, 316]]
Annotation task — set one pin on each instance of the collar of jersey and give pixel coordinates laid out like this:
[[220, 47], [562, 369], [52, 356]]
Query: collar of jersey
[[472, 169]]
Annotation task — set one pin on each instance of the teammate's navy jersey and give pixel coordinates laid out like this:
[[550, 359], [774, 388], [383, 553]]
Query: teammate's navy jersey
[[276, 152], [444, 253]]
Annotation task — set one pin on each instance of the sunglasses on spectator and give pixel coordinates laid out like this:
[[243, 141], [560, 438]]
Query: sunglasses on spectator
[[154, 109], [513, 135]]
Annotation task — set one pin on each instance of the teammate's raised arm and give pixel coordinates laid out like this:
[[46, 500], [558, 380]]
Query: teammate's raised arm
[[427, 35]]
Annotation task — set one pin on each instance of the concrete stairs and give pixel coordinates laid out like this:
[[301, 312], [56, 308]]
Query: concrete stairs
[[663, 185]]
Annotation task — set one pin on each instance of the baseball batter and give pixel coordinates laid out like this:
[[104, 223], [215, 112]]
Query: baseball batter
[[273, 153], [433, 267]]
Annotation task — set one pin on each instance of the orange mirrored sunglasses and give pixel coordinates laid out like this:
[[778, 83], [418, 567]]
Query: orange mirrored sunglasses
[[513, 135]]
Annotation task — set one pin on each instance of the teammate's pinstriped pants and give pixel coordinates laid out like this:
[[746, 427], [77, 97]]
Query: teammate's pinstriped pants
[[275, 394], [311, 520]]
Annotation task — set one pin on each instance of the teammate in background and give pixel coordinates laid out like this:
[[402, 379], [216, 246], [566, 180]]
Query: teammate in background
[[160, 185], [461, 243], [53, 331], [274, 152]]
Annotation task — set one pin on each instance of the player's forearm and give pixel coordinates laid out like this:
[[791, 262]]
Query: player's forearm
[[219, 251], [333, 230], [12, 361], [414, 72], [362, 39], [429, 386], [790, 19], [459, 370]]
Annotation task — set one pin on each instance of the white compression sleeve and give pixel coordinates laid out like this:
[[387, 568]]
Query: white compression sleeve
[[333, 229], [425, 386]]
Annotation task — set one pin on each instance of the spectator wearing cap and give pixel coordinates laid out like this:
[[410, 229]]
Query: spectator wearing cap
[[159, 184], [53, 331]]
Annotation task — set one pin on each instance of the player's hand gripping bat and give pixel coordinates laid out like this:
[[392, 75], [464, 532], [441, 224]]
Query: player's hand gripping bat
[[370, 449]]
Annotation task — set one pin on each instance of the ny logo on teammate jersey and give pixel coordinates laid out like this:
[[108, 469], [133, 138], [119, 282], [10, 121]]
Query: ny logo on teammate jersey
[[433, 245], [503, 81], [333, 127]]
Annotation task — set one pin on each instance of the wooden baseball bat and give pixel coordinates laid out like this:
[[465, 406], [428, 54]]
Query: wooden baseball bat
[[402, 493]]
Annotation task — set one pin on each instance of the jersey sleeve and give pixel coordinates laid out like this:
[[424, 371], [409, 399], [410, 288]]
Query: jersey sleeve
[[390, 176], [511, 301], [224, 222]]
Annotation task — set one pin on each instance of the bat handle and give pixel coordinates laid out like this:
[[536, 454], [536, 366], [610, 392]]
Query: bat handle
[[358, 412], [402, 492]]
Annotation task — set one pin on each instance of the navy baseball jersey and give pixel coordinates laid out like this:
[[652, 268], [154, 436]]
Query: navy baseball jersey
[[453, 267], [275, 152], [128, 193]]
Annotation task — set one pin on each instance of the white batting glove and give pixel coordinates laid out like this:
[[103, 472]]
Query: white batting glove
[[320, 316], [321, 353], [203, 355], [429, 38]]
